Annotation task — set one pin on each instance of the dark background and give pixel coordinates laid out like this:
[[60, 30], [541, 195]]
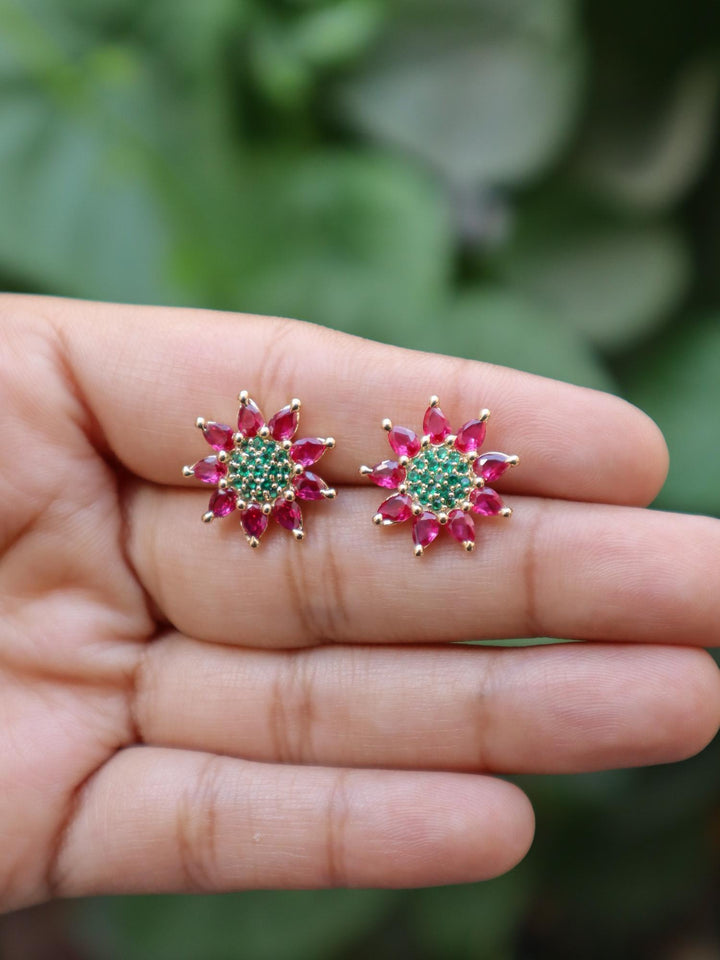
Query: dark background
[[531, 182]]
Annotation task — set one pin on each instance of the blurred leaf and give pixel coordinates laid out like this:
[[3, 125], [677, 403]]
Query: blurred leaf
[[678, 384], [336, 33], [476, 97], [647, 154], [500, 326], [246, 926], [611, 279]]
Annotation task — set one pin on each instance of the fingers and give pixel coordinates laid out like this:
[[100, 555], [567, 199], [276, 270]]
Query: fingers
[[148, 372], [582, 571], [559, 709], [169, 820]]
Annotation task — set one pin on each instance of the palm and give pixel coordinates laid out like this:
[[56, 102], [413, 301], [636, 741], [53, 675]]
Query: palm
[[263, 738]]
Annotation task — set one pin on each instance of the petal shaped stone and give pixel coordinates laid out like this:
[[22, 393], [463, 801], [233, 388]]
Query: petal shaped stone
[[396, 509], [405, 442], [461, 526], [218, 435], [471, 436], [308, 451], [486, 502], [288, 514], [308, 486], [284, 423], [436, 425], [249, 419], [209, 470], [388, 474], [426, 527], [491, 466], [254, 521], [222, 502]]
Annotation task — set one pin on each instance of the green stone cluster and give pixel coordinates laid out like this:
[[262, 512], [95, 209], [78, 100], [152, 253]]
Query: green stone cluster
[[440, 477], [259, 470]]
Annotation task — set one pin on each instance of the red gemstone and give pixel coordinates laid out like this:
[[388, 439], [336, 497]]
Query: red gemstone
[[425, 528], [491, 466], [218, 435], [388, 474], [404, 442], [284, 423], [249, 419], [436, 425], [307, 452], [461, 526], [486, 502], [308, 486], [471, 436], [222, 502], [209, 470], [254, 521], [288, 514], [396, 509]]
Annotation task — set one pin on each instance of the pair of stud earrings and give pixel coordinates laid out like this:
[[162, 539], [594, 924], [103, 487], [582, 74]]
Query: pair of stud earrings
[[439, 479]]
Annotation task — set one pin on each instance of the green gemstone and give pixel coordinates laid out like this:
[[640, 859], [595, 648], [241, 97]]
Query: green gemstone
[[439, 477], [261, 468]]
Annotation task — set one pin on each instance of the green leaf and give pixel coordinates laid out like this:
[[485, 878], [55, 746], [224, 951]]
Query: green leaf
[[678, 384], [613, 280]]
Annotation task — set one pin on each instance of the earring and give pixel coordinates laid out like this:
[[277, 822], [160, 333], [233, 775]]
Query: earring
[[259, 471], [440, 478]]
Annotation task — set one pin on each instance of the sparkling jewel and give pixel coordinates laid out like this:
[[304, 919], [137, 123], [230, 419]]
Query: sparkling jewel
[[209, 470], [404, 442], [260, 470], [471, 436], [284, 423], [307, 452], [436, 425], [249, 418], [388, 474], [308, 486], [396, 509], [461, 526], [222, 502], [288, 514], [491, 466], [218, 435], [254, 521], [440, 478], [486, 502], [426, 527]]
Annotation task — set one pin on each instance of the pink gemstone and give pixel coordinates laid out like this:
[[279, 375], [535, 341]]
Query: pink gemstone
[[491, 466], [222, 502], [461, 526], [307, 452], [486, 502], [471, 436], [425, 528], [284, 423], [436, 425], [218, 435], [388, 474], [254, 521], [209, 470], [249, 419], [308, 486], [288, 514], [404, 442], [396, 509]]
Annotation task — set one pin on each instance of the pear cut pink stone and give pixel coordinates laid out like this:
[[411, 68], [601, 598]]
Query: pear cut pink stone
[[222, 502], [308, 486], [405, 442], [486, 502], [218, 435], [396, 509], [471, 436], [308, 451], [491, 466], [249, 419], [436, 425], [388, 474], [284, 423], [209, 470], [254, 521], [426, 527], [288, 514], [461, 526]]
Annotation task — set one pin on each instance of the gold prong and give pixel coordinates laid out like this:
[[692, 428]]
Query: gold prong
[[450, 440], [253, 541], [418, 550], [377, 519], [267, 509], [402, 488], [264, 431], [468, 545], [289, 494], [484, 415], [329, 442], [295, 404], [299, 535], [188, 472], [425, 442], [208, 517], [387, 424], [365, 471], [238, 438], [513, 461], [223, 456], [200, 423], [329, 493], [223, 483], [286, 444], [506, 512], [443, 518], [479, 483], [466, 506], [241, 505], [298, 469], [243, 397], [472, 456], [404, 460], [434, 401], [417, 510]]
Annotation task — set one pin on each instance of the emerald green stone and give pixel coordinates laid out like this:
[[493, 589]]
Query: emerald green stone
[[259, 469], [440, 478]]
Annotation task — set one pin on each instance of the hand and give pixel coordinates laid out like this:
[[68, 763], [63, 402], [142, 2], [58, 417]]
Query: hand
[[181, 713]]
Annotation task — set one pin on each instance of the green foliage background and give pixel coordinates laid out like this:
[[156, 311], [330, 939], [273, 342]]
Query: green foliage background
[[531, 182]]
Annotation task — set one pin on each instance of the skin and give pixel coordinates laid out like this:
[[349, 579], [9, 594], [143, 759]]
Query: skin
[[180, 713]]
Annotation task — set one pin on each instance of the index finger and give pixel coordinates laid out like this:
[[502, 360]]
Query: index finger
[[148, 372]]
